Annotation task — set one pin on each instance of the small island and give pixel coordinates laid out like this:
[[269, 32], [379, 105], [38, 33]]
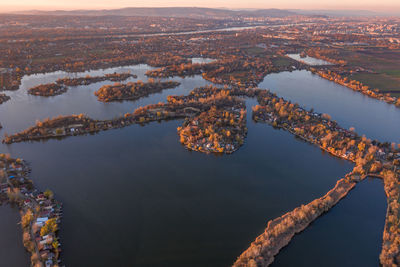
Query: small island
[[49, 89], [61, 85], [356, 86], [114, 77], [132, 90]]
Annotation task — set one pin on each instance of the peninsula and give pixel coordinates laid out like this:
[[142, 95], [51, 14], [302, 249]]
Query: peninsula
[[40, 212]]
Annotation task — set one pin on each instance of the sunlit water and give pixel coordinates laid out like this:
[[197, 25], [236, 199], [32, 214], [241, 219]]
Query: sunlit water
[[309, 60]]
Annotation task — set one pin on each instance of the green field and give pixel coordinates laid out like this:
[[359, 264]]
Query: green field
[[281, 61], [384, 63]]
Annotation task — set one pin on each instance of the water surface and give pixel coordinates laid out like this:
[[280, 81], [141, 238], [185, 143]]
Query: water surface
[[136, 196], [23, 109], [202, 60], [357, 220], [309, 60], [374, 118]]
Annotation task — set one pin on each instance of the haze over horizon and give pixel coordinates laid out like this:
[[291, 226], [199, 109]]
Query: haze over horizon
[[371, 5]]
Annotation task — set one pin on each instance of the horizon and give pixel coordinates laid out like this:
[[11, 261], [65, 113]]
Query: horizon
[[45, 5]]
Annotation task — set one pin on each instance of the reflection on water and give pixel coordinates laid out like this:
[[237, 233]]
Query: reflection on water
[[309, 60], [23, 109]]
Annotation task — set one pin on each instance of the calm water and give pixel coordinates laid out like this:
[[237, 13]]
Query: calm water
[[12, 251], [135, 196], [376, 119], [201, 60], [309, 60], [343, 228], [24, 109]]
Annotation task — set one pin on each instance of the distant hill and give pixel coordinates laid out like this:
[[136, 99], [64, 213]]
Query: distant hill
[[345, 13], [188, 12]]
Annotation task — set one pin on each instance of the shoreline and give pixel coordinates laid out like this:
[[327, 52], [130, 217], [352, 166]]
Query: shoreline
[[280, 231], [372, 159], [370, 156], [40, 212], [371, 93]]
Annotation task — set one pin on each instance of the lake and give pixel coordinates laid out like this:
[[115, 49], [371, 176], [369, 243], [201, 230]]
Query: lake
[[342, 229], [312, 61], [12, 251], [374, 118], [201, 60], [136, 196]]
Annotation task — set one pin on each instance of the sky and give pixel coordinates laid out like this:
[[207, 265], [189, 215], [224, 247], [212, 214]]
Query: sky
[[375, 5]]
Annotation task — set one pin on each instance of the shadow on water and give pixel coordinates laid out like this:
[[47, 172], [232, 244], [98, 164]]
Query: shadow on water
[[350, 234]]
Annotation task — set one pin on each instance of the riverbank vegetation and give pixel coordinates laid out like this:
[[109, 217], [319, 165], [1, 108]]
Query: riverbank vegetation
[[371, 158], [207, 105], [132, 90], [356, 86], [364, 57], [215, 121], [114, 77], [49, 89], [60, 86], [281, 230]]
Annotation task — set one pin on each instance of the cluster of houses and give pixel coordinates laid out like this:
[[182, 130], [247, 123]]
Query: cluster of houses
[[215, 131], [40, 212], [48, 89], [371, 158]]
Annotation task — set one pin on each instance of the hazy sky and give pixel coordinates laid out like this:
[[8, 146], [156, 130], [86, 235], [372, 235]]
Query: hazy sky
[[381, 5]]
